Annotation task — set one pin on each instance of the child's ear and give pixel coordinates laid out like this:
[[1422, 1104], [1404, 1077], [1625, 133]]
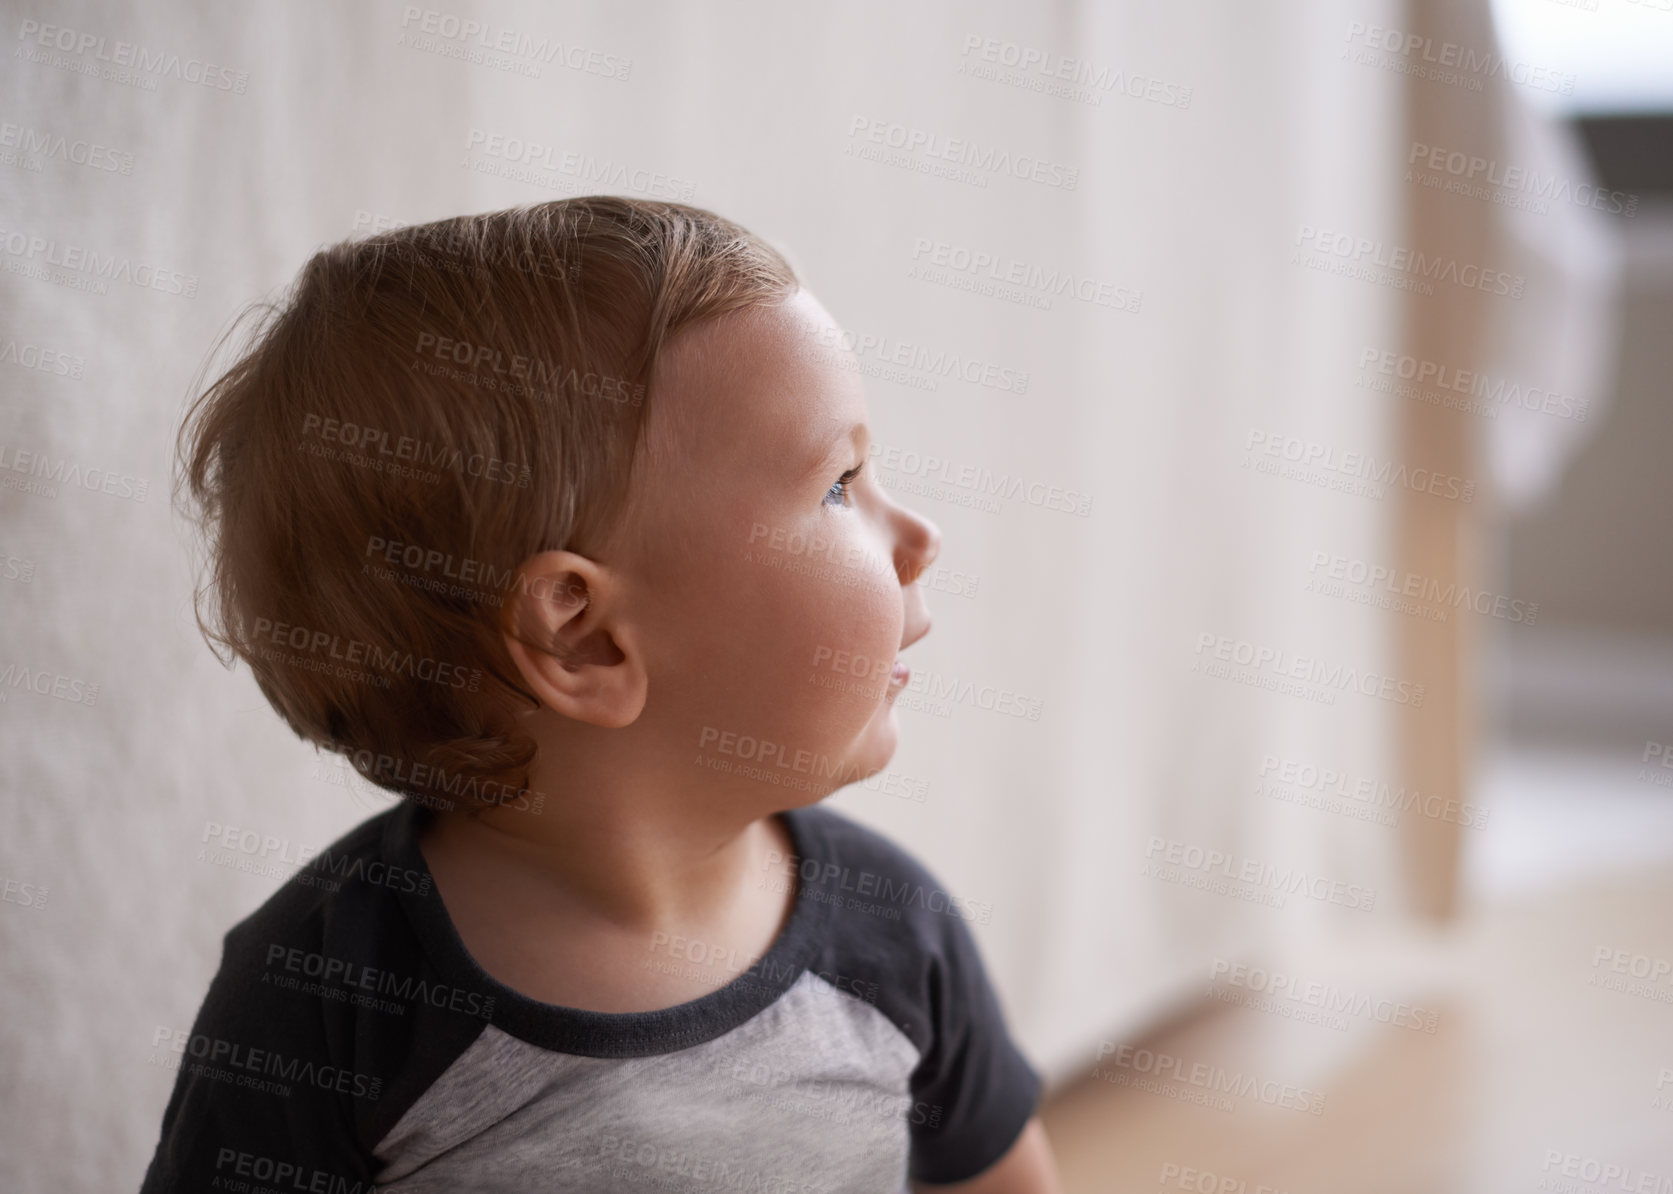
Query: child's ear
[[563, 631]]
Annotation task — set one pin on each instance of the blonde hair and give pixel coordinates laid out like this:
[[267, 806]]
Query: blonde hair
[[424, 410]]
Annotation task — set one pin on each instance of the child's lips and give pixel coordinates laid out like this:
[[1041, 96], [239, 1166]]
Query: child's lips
[[902, 673]]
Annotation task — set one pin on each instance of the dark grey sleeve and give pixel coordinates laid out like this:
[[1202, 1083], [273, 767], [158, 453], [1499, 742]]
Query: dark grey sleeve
[[257, 1097], [973, 1092], [897, 926]]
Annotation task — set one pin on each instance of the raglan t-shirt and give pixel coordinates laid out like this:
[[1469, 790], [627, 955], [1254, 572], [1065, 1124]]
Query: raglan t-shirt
[[349, 1042]]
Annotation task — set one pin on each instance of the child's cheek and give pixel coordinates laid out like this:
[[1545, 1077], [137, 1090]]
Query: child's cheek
[[870, 636], [821, 611]]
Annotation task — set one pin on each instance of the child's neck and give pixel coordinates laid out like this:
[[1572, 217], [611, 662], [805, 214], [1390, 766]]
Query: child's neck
[[583, 906], [630, 868]]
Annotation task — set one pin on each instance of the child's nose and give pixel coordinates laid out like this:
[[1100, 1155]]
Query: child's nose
[[918, 542]]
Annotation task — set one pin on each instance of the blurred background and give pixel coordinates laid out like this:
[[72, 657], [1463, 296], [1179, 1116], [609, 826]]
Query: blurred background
[[1290, 383]]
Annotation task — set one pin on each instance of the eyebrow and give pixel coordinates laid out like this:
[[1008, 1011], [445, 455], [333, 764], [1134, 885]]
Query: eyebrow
[[853, 434]]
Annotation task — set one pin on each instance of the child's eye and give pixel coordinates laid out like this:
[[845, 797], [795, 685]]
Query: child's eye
[[840, 489]]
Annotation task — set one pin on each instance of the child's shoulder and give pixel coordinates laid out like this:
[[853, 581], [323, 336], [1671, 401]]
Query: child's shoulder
[[322, 1023], [863, 872], [342, 889], [842, 835], [896, 937], [334, 969]]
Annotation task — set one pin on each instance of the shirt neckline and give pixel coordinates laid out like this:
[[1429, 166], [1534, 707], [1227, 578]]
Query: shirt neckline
[[616, 1034]]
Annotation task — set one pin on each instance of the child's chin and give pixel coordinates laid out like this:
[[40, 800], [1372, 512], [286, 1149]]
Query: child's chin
[[881, 738]]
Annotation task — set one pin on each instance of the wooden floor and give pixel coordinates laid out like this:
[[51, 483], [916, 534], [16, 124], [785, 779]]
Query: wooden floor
[[1539, 1076]]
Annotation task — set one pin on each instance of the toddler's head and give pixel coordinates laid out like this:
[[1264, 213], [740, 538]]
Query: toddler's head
[[564, 496]]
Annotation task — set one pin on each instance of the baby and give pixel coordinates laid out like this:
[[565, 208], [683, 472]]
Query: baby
[[556, 522]]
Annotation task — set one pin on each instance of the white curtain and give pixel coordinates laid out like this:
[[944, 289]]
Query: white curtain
[[1219, 135]]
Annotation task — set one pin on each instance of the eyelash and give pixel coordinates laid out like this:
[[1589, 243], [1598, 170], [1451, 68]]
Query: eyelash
[[843, 482]]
